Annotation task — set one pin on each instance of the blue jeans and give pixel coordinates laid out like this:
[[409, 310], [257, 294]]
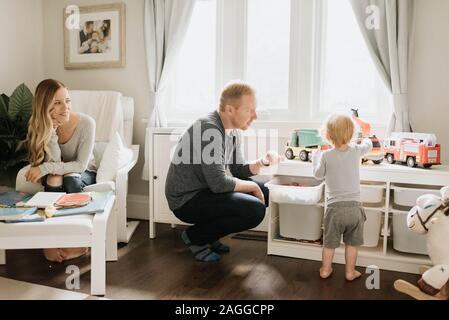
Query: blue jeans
[[72, 184]]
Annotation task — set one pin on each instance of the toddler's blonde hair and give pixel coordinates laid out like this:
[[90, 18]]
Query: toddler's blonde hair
[[339, 130]]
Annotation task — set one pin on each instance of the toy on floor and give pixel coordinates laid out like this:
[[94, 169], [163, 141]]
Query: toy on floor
[[431, 216], [376, 155], [412, 148], [303, 142]]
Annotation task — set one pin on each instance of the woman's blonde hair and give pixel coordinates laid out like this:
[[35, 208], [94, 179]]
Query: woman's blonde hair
[[40, 124], [339, 129], [232, 93]]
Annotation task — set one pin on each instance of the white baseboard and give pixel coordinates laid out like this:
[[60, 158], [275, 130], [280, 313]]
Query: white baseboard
[[138, 207]]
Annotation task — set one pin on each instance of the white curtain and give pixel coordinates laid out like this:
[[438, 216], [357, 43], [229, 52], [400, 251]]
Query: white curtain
[[386, 26], [165, 26]]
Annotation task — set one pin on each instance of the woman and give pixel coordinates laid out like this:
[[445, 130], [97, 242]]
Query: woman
[[60, 146]]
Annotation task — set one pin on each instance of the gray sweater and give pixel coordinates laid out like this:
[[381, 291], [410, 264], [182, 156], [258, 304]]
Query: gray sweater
[[201, 159], [341, 169], [74, 156]]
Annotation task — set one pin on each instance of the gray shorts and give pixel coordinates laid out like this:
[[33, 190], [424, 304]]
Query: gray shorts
[[344, 218]]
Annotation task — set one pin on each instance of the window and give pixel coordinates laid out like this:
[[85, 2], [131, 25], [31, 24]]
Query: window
[[192, 90], [348, 76], [306, 59], [268, 51]]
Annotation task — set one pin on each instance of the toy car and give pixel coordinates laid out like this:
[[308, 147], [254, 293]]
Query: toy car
[[303, 142]]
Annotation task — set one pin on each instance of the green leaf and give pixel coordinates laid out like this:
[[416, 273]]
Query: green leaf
[[5, 99], [3, 109], [21, 102], [20, 146]]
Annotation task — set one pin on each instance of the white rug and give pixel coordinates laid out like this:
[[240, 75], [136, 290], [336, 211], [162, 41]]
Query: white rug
[[18, 290]]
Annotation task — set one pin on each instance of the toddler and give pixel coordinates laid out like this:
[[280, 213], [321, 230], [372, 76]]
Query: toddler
[[339, 167]]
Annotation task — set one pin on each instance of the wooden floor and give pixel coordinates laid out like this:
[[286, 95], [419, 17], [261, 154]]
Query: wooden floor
[[164, 269]]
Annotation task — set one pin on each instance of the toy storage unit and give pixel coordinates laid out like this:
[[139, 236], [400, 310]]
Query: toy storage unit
[[372, 227], [372, 197], [386, 198], [300, 207], [404, 198], [403, 239]]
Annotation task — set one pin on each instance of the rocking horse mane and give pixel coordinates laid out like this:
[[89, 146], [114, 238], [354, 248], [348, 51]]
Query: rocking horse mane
[[445, 207]]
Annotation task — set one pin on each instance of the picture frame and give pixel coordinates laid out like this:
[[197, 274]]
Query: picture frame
[[94, 36]]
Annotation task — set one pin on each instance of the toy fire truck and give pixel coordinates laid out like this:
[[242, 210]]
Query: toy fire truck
[[412, 148]]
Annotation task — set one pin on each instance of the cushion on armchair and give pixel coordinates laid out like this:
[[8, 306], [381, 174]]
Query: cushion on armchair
[[115, 156]]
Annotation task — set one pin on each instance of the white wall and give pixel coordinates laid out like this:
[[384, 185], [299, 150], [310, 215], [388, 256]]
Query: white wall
[[22, 42], [429, 74], [131, 81]]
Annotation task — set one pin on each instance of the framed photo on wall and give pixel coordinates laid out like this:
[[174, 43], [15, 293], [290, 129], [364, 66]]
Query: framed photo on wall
[[94, 36]]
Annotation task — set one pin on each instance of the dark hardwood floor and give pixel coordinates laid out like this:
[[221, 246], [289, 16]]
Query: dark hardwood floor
[[164, 269]]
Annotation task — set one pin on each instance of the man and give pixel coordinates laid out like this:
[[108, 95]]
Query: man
[[86, 33], [199, 191]]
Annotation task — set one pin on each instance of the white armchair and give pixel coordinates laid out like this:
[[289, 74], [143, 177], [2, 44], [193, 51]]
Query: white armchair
[[81, 101]]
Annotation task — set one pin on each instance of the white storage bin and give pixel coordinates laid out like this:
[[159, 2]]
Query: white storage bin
[[309, 191], [405, 240], [371, 192], [371, 228], [301, 222], [405, 195], [299, 215]]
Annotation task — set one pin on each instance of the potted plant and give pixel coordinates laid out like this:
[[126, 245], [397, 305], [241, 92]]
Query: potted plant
[[15, 112]]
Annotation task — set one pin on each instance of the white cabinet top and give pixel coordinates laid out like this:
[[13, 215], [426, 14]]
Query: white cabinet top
[[437, 175]]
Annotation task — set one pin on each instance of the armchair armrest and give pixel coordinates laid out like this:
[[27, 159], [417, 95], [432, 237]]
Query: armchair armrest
[[121, 180], [121, 192], [127, 168]]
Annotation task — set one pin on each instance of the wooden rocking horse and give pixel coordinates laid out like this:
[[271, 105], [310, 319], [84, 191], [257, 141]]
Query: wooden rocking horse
[[431, 216]]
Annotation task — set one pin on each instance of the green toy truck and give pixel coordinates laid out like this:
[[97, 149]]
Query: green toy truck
[[302, 143]]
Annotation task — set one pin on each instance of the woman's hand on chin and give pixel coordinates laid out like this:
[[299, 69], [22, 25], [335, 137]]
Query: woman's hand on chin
[[33, 175], [56, 122]]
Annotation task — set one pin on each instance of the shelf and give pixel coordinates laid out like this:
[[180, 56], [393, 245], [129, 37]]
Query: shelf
[[393, 210], [279, 239], [407, 257], [413, 187], [373, 184], [363, 251], [373, 178]]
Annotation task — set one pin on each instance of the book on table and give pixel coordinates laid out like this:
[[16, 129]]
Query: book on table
[[59, 199], [97, 205], [30, 218], [10, 198], [11, 214], [73, 200], [44, 199]]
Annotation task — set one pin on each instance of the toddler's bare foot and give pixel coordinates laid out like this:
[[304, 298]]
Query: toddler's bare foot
[[325, 273], [352, 275], [54, 255], [73, 253]]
